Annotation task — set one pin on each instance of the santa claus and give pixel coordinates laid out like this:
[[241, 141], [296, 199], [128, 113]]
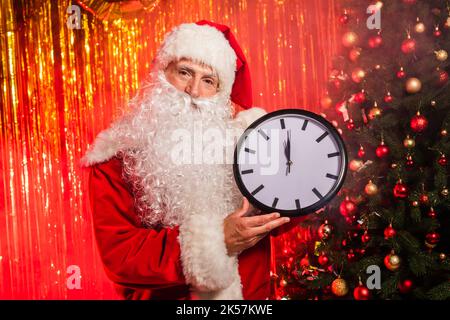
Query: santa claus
[[171, 226]]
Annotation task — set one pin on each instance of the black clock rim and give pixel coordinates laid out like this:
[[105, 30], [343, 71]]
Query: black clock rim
[[322, 202]]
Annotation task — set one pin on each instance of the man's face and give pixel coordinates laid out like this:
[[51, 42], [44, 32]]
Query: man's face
[[197, 80]]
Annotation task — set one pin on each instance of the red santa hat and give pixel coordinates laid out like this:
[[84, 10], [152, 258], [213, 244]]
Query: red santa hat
[[214, 45]]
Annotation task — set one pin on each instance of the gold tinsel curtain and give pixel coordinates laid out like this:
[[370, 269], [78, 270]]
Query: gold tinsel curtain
[[61, 86]]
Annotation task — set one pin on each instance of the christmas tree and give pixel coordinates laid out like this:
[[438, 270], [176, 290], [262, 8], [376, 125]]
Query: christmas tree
[[389, 96]]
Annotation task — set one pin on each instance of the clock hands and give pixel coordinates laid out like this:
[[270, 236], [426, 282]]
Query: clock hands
[[287, 152]]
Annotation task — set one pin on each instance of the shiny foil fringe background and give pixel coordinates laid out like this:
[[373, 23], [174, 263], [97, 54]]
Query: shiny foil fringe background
[[60, 87]]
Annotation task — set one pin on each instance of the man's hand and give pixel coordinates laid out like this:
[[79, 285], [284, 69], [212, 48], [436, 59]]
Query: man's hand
[[243, 232]]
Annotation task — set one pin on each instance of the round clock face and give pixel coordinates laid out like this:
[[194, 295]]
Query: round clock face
[[290, 161]]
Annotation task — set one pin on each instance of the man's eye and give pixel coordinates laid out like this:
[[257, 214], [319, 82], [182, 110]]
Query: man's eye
[[209, 81], [183, 73]]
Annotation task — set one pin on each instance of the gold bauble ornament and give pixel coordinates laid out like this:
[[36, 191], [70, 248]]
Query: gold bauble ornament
[[441, 55], [358, 75], [326, 102], [415, 203], [349, 39], [339, 287], [413, 85], [433, 103], [324, 231], [374, 112], [371, 188], [443, 133], [419, 27], [355, 164], [392, 261], [409, 142], [442, 256], [393, 166], [444, 192]]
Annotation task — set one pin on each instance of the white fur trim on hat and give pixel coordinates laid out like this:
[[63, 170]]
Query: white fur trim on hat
[[201, 43]]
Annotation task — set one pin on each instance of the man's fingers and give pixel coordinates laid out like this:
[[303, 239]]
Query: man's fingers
[[244, 208], [256, 221], [269, 226]]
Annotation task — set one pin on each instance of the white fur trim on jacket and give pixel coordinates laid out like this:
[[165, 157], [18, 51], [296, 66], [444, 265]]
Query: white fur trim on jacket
[[202, 43], [212, 273]]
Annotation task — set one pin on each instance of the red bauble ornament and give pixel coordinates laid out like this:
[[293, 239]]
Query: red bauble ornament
[[344, 18], [360, 97], [365, 237], [437, 32], [350, 124], [409, 162], [388, 98], [354, 54], [348, 207], [382, 150], [432, 238], [375, 41], [400, 190], [418, 123], [361, 292], [351, 257], [405, 286], [323, 259], [442, 77], [389, 232], [401, 73], [361, 152], [408, 46], [424, 199], [442, 160], [432, 214]]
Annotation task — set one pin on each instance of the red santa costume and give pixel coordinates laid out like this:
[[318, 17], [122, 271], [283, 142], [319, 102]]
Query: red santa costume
[[157, 213]]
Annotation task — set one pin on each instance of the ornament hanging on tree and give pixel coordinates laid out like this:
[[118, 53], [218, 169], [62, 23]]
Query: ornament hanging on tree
[[375, 111], [442, 160], [432, 239], [354, 54], [441, 77], [326, 102], [424, 199], [365, 237], [409, 142], [371, 188], [351, 257], [441, 55], [432, 214], [358, 75], [344, 18], [388, 97], [419, 26], [442, 256], [444, 132], [348, 207], [355, 165], [350, 124], [405, 286], [444, 192], [324, 231], [408, 45], [437, 32], [339, 287], [360, 97], [361, 152], [375, 41], [389, 232], [413, 85], [392, 261], [400, 190], [349, 39], [382, 151], [323, 259], [401, 73], [361, 292], [418, 123], [415, 203], [409, 163]]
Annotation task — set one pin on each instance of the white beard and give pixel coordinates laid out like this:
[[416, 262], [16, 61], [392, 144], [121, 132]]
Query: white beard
[[168, 190]]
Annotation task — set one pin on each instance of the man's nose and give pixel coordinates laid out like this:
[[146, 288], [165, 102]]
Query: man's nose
[[193, 88]]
